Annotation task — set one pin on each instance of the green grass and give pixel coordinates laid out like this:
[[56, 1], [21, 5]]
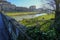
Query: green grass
[[20, 13], [38, 21], [46, 17]]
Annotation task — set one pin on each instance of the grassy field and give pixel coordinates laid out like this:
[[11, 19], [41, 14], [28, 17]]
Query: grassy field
[[20, 13], [46, 17], [44, 21], [37, 19]]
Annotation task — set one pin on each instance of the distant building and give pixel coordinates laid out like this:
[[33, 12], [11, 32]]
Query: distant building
[[22, 9], [32, 8], [6, 6]]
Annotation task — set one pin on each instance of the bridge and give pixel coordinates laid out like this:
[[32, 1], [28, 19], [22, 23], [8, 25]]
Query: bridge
[[10, 29]]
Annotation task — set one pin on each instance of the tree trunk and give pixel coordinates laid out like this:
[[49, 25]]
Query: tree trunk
[[57, 17]]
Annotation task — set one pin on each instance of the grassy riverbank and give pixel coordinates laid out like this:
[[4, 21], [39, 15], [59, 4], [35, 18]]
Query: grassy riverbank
[[20, 13], [37, 19], [45, 21]]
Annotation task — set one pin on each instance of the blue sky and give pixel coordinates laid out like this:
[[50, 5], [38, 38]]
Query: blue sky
[[26, 3]]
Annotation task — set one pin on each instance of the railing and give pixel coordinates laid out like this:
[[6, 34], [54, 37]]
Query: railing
[[15, 29]]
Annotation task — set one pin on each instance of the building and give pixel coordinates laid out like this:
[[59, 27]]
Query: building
[[22, 9], [6, 6], [32, 8]]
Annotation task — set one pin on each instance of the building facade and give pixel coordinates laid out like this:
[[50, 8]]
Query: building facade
[[32, 8], [6, 6]]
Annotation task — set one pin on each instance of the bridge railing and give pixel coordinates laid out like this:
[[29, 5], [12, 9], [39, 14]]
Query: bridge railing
[[15, 29]]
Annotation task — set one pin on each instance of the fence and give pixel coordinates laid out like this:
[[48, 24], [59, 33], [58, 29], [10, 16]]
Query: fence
[[14, 28]]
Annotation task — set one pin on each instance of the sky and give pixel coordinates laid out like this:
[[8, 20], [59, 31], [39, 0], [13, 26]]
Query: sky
[[27, 3]]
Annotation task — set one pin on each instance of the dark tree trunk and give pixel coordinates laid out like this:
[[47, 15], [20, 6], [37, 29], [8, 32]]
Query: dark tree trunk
[[57, 17]]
